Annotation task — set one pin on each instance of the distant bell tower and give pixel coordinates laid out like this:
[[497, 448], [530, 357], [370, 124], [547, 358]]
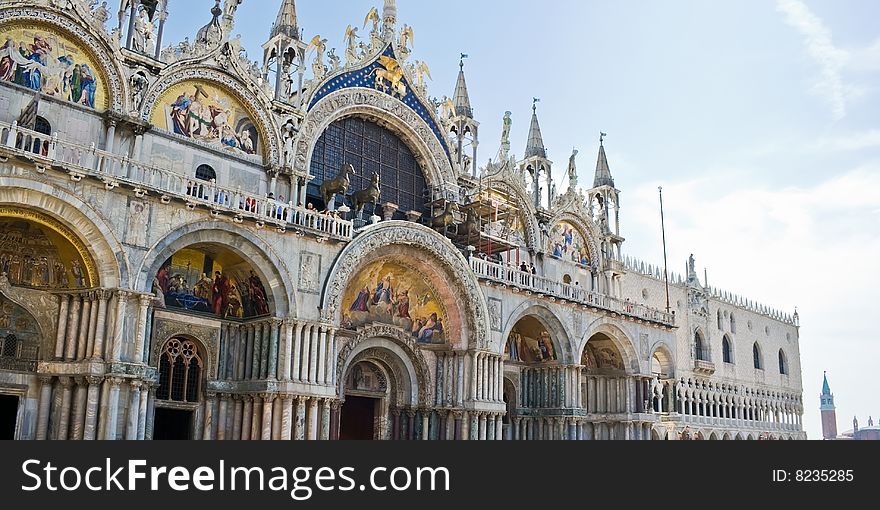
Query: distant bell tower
[[829, 413]]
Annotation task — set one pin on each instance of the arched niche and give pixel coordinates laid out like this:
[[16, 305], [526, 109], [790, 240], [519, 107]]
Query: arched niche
[[663, 363], [399, 292], [531, 343], [242, 249], [210, 279], [609, 332], [38, 252], [248, 119], [428, 255], [75, 65], [76, 221], [571, 239], [21, 336]]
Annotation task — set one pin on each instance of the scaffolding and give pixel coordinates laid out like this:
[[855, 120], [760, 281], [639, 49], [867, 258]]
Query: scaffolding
[[490, 216]]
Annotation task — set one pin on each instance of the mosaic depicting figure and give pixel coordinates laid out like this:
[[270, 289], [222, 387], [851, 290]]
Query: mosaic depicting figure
[[49, 63], [204, 112], [530, 347], [195, 282], [391, 293], [567, 243], [34, 256]]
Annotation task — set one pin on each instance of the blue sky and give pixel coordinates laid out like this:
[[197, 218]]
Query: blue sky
[[758, 117]]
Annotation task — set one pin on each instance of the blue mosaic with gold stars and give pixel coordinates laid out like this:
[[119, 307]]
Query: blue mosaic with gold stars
[[365, 78]]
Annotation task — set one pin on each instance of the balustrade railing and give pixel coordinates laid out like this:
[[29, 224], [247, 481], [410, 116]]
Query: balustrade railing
[[81, 161], [511, 276]]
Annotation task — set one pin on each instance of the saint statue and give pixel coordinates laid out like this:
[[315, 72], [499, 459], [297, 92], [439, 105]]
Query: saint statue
[[572, 170]]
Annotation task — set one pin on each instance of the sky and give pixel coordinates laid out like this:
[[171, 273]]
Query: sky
[[758, 118]]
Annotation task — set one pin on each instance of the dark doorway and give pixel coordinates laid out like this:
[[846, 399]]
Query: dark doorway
[[172, 425], [358, 419], [8, 417]]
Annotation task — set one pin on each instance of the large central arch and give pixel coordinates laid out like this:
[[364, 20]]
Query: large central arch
[[419, 241], [389, 113]]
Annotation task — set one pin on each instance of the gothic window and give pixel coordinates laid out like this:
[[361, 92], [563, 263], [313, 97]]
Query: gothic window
[[726, 350], [783, 366], [756, 355], [180, 370], [700, 351], [9, 347], [370, 148], [732, 324]]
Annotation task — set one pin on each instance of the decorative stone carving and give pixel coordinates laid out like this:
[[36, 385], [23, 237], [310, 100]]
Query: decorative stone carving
[[418, 237], [309, 272], [495, 314]]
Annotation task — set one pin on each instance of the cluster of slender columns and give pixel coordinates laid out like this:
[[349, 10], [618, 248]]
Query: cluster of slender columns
[[487, 377], [450, 377], [409, 424], [270, 416], [526, 428], [92, 326], [90, 408]]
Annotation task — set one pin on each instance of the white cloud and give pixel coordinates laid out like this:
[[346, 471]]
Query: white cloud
[[852, 142], [820, 47], [813, 247]]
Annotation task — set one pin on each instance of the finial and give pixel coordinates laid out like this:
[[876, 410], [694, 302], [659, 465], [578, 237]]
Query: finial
[[602, 137], [461, 62], [535, 101]]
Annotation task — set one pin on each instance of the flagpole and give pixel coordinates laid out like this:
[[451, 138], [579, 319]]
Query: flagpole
[[665, 261]]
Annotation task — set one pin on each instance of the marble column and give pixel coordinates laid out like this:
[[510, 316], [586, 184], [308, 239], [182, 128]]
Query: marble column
[[286, 350], [151, 413], [73, 321], [325, 418], [103, 297], [296, 350], [410, 424], [82, 342], [395, 425], [247, 414], [499, 428], [237, 408], [312, 428], [266, 430], [313, 353], [141, 333], [112, 409], [426, 419], [119, 325], [142, 413], [335, 419], [79, 408], [287, 417], [210, 419], [257, 419], [91, 411], [300, 423], [273, 349], [64, 417], [322, 357], [44, 407], [63, 312], [134, 405], [277, 417]]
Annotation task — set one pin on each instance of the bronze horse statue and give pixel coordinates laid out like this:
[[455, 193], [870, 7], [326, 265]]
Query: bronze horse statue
[[445, 219], [368, 196], [337, 185]]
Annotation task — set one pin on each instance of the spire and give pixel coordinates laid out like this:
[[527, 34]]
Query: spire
[[603, 171], [389, 19], [285, 23], [535, 145], [462, 100], [826, 389]]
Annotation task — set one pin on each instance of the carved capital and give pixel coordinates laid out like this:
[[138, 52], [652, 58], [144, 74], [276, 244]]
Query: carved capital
[[116, 381], [94, 380], [66, 382]]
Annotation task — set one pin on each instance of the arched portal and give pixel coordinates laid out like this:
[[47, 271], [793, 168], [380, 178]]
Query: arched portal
[[601, 356], [384, 385]]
